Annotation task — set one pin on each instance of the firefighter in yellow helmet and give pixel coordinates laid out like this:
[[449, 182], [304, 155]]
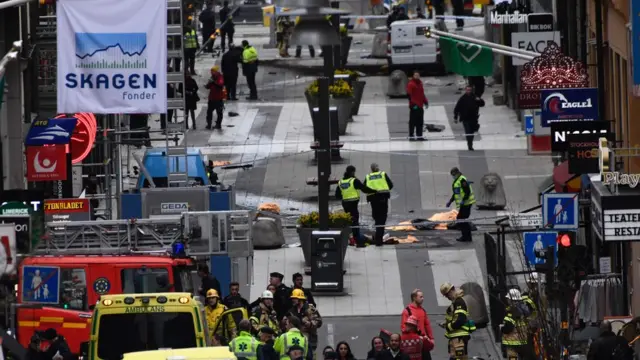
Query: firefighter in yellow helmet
[[222, 327], [264, 314], [458, 325], [308, 315], [514, 327]]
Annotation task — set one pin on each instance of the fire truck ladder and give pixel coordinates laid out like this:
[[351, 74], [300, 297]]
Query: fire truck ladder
[[176, 104]]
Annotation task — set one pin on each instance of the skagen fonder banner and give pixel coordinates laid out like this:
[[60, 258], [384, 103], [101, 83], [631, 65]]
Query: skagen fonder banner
[[112, 56]]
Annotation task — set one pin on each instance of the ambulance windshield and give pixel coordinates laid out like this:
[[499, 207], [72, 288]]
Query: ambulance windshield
[[139, 331]]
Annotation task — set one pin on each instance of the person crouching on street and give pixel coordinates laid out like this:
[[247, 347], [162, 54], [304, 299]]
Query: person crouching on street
[[216, 97], [348, 190]]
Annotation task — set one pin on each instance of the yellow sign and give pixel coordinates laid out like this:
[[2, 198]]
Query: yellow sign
[[144, 309]]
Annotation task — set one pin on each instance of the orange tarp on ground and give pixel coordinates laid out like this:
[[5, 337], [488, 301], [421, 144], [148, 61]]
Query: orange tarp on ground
[[443, 216]]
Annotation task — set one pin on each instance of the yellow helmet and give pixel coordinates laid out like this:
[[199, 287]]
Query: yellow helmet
[[212, 293], [298, 294], [445, 288]]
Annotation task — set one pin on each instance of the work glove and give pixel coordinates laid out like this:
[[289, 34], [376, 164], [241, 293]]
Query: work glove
[[448, 203]]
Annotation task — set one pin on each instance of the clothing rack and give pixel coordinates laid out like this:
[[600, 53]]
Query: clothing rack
[[602, 276]]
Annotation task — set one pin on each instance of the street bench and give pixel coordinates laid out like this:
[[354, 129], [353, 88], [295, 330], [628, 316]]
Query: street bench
[[335, 144], [313, 181]]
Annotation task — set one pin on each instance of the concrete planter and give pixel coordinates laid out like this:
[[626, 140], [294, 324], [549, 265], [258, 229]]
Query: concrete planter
[[358, 91], [312, 101], [344, 106], [305, 242]]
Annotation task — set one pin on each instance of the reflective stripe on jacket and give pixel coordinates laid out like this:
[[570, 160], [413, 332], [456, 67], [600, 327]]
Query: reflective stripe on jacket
[[190, 40], [377, 181], [245, 346], [519, 334], [285, 341], [459, 193], [348, 190], [451, 317]]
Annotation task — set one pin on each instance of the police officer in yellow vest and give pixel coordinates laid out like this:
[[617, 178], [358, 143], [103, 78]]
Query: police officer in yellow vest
[[464, 199], [293, 337], [458, 325], [348, 190], [250, 68], [191, 47], [380, 182], [514, 329], [244, 345]]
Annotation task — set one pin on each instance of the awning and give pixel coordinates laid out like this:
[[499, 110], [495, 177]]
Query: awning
[[564, 181]]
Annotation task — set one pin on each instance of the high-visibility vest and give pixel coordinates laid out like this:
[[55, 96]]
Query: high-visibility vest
[[190, 40], [533, 317], [249, 55], [348, 190], [289, 339], [458, 192], [377, 181], [449, 318], [519, 335], [245, 346]]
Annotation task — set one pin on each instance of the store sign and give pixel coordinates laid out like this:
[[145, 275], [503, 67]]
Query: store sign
[[620, 179], [508, 19], [50, 131], [562, 105], [174, 208], [583, 154], [25, 202], [67, 210], [22, 226], [540, 22], [46, 163], [621, 225], [634, 15], [561, 132], [532, 41]]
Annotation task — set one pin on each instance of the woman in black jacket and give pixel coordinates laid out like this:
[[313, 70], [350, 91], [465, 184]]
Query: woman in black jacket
[[344, 351], [377, 346]]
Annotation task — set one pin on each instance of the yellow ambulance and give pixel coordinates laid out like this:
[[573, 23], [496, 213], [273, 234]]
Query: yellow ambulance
[[208, 353], [130, 323]]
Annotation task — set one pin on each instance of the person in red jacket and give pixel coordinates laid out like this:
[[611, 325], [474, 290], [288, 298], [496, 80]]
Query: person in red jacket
[[417, 101], [416, 346], [216, 97], [416, 310]]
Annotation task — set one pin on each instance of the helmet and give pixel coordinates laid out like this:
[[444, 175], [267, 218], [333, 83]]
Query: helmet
[[533, 278], [212, 293], [267, 295], [412, 320], [298, 294], [445, 288], [514, 294]]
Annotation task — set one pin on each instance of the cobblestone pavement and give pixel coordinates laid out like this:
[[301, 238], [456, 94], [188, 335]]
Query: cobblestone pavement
[[274, 135]]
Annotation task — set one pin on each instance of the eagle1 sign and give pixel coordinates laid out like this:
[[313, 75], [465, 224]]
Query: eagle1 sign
[[561, 105]]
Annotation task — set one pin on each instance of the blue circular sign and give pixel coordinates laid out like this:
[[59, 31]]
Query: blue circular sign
[[101, 286]]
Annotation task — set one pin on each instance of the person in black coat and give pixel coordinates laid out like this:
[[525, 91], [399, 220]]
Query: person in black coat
[[458, 10], [609, 346], [192, 99], [227, 27], [208, 281], [266, 350], [467, 111], [208, 20], [229, 67], [281, 301], [393, 352]]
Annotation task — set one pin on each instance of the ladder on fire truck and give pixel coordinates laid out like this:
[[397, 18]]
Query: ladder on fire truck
[[176, 155], [204, 233]]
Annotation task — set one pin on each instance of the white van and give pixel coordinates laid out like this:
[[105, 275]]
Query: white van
[[409, 48]]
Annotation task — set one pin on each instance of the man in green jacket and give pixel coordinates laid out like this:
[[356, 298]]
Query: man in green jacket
[[464, 199], [293, 337], [245, 345]]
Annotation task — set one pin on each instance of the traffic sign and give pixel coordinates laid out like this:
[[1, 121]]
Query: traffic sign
[[539, 242], [51, 132], [560, 211], [41, 284], [528, 125]]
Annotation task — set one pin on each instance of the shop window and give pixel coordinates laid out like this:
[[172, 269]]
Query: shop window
[[144, 280], [73, 289]]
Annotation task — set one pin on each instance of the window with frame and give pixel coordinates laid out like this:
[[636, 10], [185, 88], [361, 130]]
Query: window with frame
[[73, 289], [144, 280]]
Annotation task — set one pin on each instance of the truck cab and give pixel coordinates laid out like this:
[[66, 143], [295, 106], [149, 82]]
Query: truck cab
[[155, 163], [60, 291], [408, 46]]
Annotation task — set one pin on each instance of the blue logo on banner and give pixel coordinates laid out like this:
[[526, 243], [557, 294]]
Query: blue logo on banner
[[528, 125], [560, 211], [538, 242], [635, 44], [561, 105], [51, 132], [41, 284]]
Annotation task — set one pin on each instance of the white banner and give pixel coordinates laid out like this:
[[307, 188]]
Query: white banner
[[112, 56]]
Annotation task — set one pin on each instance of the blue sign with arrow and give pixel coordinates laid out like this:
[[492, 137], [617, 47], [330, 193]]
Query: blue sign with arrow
[[41, 284], [560, 211], [536, 243], [51, 132], [529, 127]]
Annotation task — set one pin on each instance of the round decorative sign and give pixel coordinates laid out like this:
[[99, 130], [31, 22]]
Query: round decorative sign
[[84, 136], [101, 286]]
